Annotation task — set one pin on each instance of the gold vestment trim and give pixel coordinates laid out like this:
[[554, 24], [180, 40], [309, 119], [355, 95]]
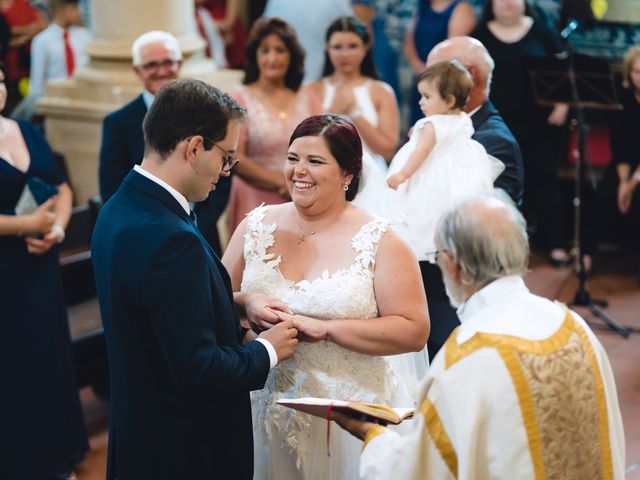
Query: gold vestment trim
[[439, 436], [507, 346], [372, 433]]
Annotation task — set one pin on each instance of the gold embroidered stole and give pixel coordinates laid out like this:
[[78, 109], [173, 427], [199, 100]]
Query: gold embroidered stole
[[561, 394]]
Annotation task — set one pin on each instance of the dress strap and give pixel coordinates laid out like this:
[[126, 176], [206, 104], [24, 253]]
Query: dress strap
[[259, 236], [362, 95], [366, 242], [329, 93]]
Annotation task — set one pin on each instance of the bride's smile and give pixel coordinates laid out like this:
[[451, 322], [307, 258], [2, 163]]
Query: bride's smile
[[313, 175]]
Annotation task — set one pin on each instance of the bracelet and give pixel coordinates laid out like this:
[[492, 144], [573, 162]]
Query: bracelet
[[58, 231]]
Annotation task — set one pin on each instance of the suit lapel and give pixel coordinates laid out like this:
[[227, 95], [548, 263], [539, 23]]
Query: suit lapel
[[148, 187]]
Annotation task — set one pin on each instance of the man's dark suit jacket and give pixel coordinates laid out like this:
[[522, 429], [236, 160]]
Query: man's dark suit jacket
[[180, 377], [498, 141], [123, 147]]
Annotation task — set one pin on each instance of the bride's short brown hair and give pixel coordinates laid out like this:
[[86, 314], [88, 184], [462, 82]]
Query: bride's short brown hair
[[343, 141]]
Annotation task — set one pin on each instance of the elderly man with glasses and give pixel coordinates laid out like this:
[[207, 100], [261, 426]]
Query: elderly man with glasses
[[522, 389], [156, 61]]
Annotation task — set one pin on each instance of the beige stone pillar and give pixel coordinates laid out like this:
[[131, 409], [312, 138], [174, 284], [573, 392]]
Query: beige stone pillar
[[74, 108]]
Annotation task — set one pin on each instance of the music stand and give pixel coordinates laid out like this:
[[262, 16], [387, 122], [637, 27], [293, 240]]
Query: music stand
[[582, 82]]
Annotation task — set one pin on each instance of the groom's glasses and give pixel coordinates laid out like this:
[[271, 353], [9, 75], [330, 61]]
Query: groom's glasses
[[228, 160]]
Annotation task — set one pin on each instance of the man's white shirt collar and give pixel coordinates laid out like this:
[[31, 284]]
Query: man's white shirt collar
[[176, 194], [490, 294], [147, 98], [473, 112]]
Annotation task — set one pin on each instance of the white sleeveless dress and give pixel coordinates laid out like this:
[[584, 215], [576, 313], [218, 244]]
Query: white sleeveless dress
[[288, 444], [458, 167], [373, 194]]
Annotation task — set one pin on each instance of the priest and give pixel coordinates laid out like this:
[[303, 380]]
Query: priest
[[522, 388]]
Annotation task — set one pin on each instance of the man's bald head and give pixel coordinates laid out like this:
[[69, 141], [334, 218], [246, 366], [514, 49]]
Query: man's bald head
[[486, 239], [475, 57]]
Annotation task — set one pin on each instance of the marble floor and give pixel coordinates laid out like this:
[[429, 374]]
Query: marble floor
[[616, 278]]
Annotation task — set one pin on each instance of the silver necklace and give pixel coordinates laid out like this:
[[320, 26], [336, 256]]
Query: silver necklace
[[302, 236]]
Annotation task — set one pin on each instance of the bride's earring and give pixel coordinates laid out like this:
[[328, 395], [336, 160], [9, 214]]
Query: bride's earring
[[345, 187]]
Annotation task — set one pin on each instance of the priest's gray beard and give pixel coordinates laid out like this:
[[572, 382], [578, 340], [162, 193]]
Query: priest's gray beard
[[454, 291]]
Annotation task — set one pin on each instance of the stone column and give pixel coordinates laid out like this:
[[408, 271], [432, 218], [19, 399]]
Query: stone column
[[74, 108]]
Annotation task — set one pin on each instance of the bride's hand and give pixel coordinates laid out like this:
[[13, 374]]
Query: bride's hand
[[309, 329], [262, 311]]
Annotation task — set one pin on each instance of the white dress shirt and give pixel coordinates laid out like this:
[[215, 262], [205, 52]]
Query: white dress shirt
[[48, 58], [273, 356]]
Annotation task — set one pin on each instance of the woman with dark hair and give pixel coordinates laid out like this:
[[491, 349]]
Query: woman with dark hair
[[352, 288], [43, 434], [350, 87], [512, 35], [275, 104]]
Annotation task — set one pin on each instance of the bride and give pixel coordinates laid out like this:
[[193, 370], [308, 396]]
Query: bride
[[352, 288]]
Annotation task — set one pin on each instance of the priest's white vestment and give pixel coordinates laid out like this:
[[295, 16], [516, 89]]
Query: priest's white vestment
[[521, 390]]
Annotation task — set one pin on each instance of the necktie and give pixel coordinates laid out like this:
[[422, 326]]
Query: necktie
[[68, 54], [192, 214], [203, 33]]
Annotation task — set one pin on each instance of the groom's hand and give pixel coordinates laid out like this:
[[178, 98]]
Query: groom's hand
[[261, 311], [283, 338], [309, 329]]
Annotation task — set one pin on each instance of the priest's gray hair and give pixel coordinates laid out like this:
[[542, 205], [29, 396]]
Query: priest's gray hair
[[486, 238]]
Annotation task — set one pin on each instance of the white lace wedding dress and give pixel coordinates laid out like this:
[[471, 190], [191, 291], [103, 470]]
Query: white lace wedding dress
[[288, 444]]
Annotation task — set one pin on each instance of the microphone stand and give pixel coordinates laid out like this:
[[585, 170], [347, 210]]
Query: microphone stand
[[582, 297]]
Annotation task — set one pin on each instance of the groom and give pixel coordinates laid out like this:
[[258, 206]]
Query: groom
[[180, 377]]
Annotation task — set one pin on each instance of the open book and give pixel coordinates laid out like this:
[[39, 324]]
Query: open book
[[320, 407]]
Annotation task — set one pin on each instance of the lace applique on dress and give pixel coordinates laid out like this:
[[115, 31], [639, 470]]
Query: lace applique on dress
[[321, 369]]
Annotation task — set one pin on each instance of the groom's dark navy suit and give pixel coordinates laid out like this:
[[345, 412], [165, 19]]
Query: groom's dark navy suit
[[180, 377], [123, 147]]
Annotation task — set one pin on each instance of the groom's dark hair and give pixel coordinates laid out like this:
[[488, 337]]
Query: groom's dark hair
[[184, 108], [343, 140]]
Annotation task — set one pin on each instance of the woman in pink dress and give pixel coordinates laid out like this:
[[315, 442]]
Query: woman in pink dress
[[275, 104]]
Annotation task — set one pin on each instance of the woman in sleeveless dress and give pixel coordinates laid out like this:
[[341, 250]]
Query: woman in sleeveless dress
[[351, 87], [352, 288], [275, 104], [43, 434]]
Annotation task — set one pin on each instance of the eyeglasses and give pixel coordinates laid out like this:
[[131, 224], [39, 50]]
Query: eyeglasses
[[434, 254], [228, 160], [153, 66]]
